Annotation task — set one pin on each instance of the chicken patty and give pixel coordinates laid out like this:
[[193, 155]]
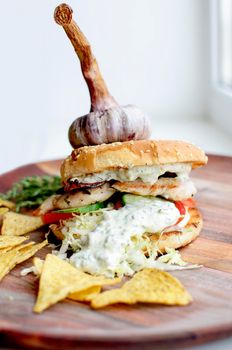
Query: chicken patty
[[169, 188], [75, 199]]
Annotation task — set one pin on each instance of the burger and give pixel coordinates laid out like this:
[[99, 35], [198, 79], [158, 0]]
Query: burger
[[126, 205]]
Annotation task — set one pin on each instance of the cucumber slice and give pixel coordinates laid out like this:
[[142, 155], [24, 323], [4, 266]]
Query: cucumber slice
[[83, 210], [131, 198]]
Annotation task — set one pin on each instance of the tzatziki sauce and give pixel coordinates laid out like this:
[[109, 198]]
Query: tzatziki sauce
[[147, 174], [114, 246]]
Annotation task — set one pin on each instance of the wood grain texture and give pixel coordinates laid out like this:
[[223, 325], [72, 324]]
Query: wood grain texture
[[73, 325]]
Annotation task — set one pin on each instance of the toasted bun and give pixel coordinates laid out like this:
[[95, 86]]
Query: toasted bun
[[178, 239], [93, 159]]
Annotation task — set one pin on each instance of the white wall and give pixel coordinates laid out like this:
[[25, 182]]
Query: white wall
[[219, 97], [151, 53]]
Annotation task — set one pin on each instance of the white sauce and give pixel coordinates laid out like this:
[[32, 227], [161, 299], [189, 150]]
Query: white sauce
[[148, 174], [181, 224], [114, 246]]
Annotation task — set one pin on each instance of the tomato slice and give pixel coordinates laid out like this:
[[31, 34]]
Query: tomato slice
[[52, 217], [118, 204], [190, 202], [180, 206]]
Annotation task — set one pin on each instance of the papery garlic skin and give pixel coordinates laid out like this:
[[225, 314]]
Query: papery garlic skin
[[107, 121], [114, 124]]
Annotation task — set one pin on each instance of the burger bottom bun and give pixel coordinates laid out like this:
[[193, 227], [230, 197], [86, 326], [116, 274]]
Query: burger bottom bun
[[178, 239], [173, 239]]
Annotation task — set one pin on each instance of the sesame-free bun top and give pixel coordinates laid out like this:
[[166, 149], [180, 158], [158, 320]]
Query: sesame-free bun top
[[94, 159]]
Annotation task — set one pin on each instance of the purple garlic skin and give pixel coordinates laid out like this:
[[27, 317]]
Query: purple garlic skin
[[116, 124]]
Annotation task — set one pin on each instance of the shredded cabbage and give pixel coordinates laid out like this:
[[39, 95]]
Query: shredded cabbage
[[138, 254], [27, 270]]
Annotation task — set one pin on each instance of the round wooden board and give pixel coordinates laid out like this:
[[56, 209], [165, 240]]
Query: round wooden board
[[73, 325]]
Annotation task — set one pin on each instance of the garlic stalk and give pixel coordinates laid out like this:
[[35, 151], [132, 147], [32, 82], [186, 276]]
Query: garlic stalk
[[107, 121]]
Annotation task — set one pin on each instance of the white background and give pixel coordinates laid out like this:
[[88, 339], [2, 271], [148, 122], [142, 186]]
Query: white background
[[153, 53]]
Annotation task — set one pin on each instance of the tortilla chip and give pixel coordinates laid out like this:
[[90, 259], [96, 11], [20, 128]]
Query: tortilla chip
[[38, 264], [147, 286], [27, 252], [23, 246], [7, 204], [87, 295], [17, 255], [59, 279], [18, 224], [11, 241], [4, 250], [9, 259], [7, 262], [3, 211]]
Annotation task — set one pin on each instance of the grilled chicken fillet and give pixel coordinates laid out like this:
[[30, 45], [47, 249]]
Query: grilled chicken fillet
[[169, 188], [79, 198]]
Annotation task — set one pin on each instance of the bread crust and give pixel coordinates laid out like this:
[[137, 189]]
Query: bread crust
[[178, 239], [93, 159]]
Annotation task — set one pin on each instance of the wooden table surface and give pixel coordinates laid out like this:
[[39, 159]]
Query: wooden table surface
[[73, 325]]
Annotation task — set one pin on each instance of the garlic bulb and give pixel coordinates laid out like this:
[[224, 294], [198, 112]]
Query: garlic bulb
[[107, 121]]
